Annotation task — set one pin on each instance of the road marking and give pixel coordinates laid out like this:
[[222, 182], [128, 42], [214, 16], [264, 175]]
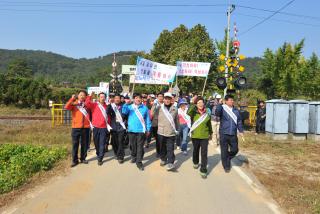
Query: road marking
[[10, 211], [272, 206]]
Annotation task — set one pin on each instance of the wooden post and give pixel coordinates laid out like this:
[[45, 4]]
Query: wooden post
[[134, 83], [176, 79], [205, 82], [171, 84]]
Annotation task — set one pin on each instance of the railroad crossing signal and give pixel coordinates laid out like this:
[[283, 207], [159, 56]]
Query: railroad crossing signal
[[236, 80], [231, 62], [236, 44], [115, 84]]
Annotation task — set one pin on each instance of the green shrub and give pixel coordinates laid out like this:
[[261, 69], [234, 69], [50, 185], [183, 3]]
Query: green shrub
[[19, 162], [250, 97]]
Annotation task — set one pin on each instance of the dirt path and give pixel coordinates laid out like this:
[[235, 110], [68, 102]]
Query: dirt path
[[114, 188]]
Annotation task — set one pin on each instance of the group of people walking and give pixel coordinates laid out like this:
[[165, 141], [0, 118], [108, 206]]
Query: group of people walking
[[172, 121]]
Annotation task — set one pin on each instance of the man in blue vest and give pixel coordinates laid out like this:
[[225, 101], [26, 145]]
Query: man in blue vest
[[230, 124]]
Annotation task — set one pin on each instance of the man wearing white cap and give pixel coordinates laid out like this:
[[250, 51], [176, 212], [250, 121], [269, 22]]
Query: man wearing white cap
[[168, 126]]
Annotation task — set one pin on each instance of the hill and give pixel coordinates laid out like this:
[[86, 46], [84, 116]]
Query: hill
[[58, 68]]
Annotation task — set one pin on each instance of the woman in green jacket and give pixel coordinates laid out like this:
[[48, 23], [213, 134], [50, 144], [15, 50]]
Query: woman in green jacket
[[201, 131]]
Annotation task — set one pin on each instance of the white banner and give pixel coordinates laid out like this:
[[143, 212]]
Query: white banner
[[98, 90], [150, 81], [149, 71], [104, 85], [129, 69], [199, 69]]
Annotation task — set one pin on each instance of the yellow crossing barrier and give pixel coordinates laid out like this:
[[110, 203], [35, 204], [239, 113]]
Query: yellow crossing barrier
[[59, 115]]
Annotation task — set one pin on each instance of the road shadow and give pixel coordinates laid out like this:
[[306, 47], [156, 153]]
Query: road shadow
[[240, 160], [181, 158], [106, 157], [213, 161], [150, 159]]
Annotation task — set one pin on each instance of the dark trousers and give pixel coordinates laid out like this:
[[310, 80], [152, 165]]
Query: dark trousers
[[177, 140], [118, 143], [155, 134], [149, 138], [203, 145], [108, 139], [99, 138], [79, 138], [136, 141], [260, 126], [88, 138], [167, 148], [229, 149], [126, 139]]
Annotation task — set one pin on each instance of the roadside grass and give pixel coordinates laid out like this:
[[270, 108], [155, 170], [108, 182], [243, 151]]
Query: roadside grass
[[19, 162], [15, 111], [29, 150], [290, 170], [35, 132]]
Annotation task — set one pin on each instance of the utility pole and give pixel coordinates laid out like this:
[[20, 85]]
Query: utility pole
[[231, 8]]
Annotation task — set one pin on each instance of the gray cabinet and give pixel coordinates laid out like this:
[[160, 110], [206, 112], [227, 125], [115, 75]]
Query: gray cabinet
[[298, 116], [314, 117], [277, 116]]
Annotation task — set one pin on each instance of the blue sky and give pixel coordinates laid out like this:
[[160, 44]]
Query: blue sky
[[92, 28]]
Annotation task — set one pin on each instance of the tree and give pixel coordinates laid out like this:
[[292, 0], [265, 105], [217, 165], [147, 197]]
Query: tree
[[281, 72], [19, 68], [309, 78], [183, 44], [19, 88]]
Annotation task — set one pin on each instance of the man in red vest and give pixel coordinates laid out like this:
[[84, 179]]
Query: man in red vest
[[100, 123]]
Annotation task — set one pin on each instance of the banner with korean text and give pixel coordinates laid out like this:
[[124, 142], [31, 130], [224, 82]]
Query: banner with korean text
[[197, 69], [149, 82], [149, 72]]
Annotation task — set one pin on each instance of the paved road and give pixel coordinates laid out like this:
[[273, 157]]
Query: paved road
[[122, 189]]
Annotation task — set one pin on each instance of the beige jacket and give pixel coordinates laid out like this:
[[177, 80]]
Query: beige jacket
[[164, 126]]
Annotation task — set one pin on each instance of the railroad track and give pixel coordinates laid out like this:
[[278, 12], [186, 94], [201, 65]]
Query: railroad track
[[24, 118]]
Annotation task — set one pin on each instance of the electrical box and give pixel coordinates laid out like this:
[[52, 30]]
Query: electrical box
[[314, 117], [277, 116], [299, 116]]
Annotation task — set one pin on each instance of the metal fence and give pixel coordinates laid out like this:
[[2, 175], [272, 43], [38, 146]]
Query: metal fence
[[252, 115], [59, 115]]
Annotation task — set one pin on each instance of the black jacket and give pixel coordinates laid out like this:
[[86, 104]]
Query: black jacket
[[227, 125], [116, 126]]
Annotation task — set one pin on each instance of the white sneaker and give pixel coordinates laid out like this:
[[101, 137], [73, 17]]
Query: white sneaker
[[170, 167], [163, 163]]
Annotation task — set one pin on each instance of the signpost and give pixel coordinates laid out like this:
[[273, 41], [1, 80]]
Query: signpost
[[129, 69]]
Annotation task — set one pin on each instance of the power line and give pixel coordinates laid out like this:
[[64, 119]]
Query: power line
[[82, 4], [44, 8], [267, 18], [126, 5], [283, 13], [109, 12], [278, 20]]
